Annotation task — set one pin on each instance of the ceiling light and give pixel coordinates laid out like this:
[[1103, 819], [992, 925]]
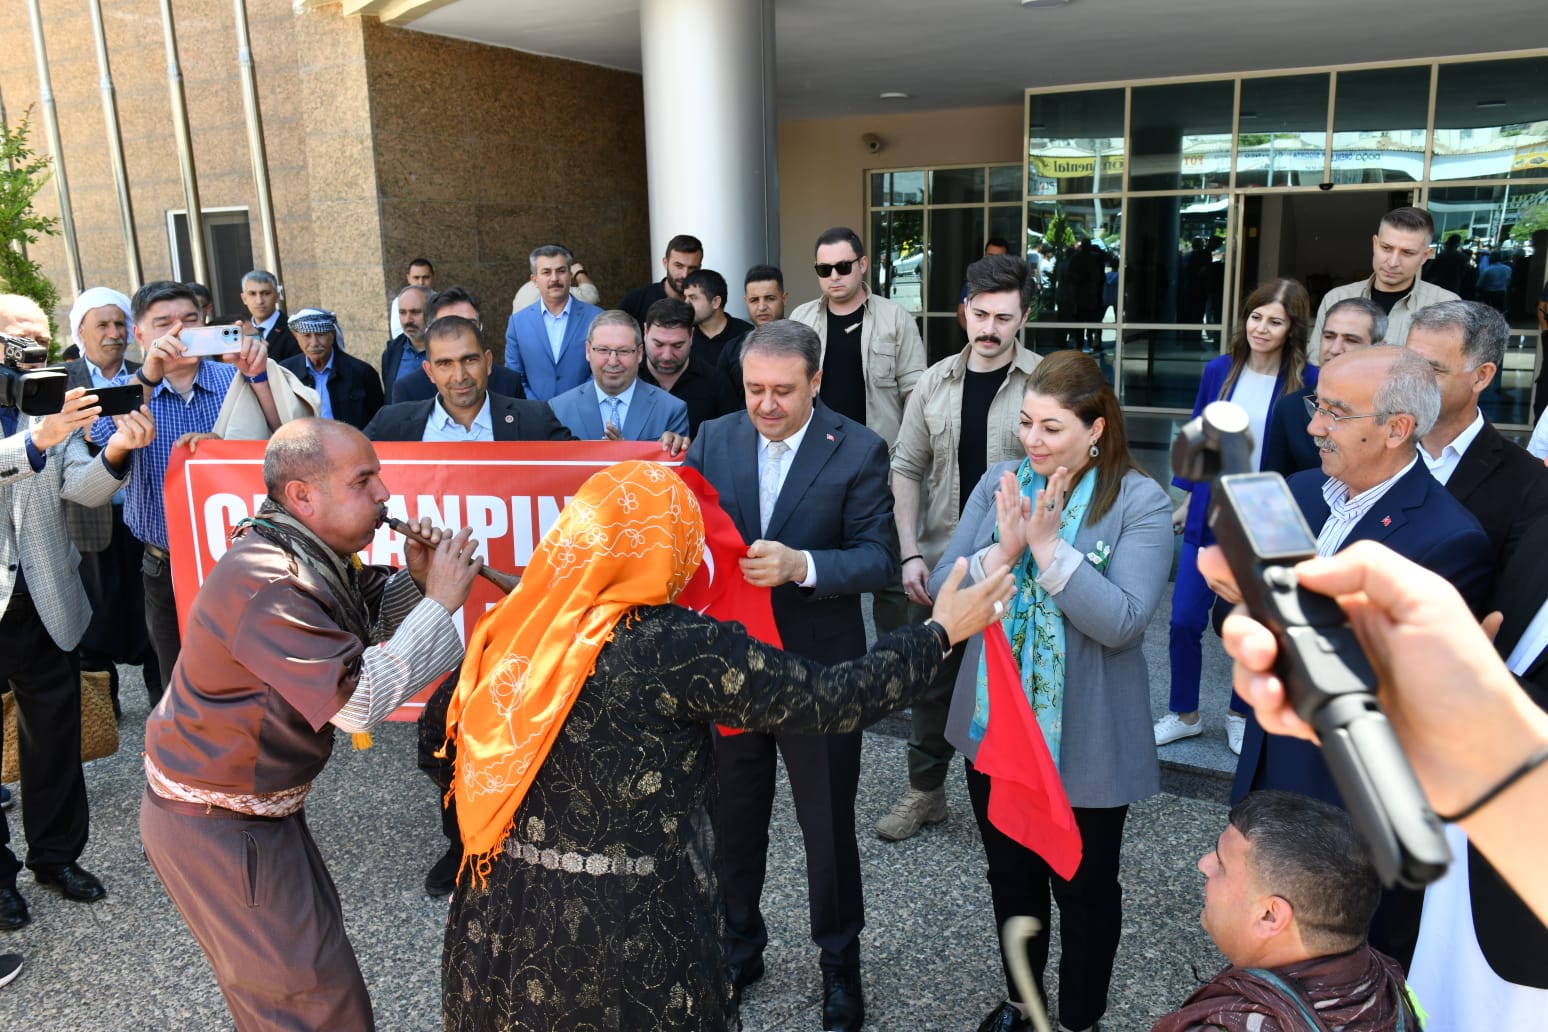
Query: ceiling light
[[1491, 103], [1249, 114], [894, 95], [1044, 3]]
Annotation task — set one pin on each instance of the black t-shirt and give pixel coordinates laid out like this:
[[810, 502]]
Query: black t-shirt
[[638, 301], [843, 372], [707, 350], [978, 390], [699, 388], [1387, 299]]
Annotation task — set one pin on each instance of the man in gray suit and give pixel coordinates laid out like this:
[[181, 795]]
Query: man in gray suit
[[43, 612], [615, 404]]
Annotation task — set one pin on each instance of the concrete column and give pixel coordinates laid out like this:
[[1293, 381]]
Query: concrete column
[[710, 130]]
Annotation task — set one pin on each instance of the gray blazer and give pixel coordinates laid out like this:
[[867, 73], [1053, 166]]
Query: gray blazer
[[38, 538], [1108, 753]]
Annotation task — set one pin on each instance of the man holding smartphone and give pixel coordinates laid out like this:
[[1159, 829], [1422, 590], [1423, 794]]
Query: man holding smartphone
[[110, 554], [184, 394]]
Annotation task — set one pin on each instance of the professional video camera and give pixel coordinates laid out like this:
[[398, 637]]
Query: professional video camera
[[36, 392], [1326, 675]]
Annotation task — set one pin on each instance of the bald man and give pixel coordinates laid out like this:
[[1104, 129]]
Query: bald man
[[288, 639]]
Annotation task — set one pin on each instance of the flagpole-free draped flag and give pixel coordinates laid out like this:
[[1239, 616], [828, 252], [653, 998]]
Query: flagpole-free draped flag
[[719, 589], [1026, 797]]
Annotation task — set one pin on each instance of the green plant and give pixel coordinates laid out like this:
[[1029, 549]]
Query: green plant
[[22, 175]]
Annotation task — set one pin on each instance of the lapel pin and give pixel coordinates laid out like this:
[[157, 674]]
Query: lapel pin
[[1386, 521], [510, 418], [830, 437]]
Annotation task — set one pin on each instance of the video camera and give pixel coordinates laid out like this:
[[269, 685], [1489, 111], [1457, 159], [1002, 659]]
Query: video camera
[[1326, 675], [38, 392]]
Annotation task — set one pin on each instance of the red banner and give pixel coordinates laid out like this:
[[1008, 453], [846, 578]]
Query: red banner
[[509, 493]]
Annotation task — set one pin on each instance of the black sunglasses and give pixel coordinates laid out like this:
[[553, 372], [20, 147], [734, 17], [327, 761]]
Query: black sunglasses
[[824, 270]]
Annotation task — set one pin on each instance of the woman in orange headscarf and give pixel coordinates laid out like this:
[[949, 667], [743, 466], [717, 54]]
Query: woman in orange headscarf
[[584, 772]]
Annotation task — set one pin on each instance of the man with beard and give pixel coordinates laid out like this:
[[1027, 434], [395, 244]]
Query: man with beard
[[416, 385], [714, 330], [671, 365], [962, 418], [406, 352], [684, 256]]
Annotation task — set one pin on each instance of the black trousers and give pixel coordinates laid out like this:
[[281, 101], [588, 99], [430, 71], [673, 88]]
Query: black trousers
[[1090, 904], [166, 636], [824, 775], [47, 683], [115, 587]]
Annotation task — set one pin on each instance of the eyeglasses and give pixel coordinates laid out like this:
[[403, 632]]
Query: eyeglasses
[[1313, 410], [608, 354], [824, 270]]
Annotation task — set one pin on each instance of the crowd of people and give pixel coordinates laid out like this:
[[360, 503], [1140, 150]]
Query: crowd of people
[[994, 486]]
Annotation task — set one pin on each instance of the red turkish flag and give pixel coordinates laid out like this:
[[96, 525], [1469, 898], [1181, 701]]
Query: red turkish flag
[[1026, 797], [719, 589]]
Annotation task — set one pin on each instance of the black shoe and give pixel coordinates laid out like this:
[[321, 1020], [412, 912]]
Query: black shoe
[[442, 878], [6, 799], [13, 909], [1005, 1018], [72, 881], [744, 975], [843, 1002], [10, 967]]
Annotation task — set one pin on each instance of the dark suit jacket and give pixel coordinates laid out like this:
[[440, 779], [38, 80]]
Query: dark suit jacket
[[1513, 941], [1503, 485], [835, 503], [392, 357], [514, 419], [1418, 519], [91, 528], [282, 343], [416, 386], [1287, 446], [354, 390]]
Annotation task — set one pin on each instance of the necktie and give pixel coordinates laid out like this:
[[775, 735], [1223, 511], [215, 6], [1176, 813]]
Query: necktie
[[613, 407], [768, 481]]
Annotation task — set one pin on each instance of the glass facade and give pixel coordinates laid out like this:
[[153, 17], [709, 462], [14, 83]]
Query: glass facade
[[1155, 206], [926, 227]]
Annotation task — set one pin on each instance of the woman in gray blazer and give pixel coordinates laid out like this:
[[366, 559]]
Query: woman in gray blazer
[[1088, 535]]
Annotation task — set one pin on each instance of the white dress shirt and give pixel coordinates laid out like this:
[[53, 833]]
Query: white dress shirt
[[442, 427], [1445, 464], [794, 441]]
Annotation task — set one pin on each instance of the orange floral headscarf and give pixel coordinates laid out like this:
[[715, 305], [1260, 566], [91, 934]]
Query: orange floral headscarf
[[632, 536]]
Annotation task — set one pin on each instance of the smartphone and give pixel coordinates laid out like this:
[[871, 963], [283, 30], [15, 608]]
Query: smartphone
[[211, 340], [119, 401]]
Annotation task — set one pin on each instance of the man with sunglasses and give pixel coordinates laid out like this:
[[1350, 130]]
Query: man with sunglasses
[[872, 355]]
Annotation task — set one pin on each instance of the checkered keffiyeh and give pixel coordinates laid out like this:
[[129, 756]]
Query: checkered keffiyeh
[[318, 320]]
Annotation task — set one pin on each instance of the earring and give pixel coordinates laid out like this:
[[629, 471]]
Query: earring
[[1095, 451]]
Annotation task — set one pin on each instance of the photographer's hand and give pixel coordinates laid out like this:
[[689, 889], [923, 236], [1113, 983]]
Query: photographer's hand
[[78, 413]]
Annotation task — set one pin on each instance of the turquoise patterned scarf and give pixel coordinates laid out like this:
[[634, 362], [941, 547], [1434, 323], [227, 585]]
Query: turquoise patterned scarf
[[1034, 623]]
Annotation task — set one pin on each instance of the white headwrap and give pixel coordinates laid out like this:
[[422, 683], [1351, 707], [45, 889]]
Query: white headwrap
[[95, 297]]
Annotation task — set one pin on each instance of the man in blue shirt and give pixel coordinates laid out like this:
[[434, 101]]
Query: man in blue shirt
[[184, 394], [347, 389], [545, 342]]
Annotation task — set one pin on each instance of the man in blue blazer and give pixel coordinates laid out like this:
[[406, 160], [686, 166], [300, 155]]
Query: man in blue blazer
[[545, 342], [1374, 406], [615, 404], [808, 490]]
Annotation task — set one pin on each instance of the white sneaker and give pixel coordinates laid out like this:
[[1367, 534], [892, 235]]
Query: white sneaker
[[1171, 727], [1236, 727]]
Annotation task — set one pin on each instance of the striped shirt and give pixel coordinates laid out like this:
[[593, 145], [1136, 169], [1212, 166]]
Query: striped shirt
[[145, 506], [1344, 512]]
